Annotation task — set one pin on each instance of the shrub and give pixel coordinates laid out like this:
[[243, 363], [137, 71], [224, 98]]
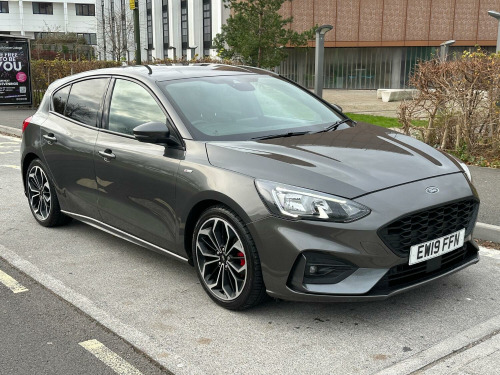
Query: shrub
[[44, 72], [460, 100]]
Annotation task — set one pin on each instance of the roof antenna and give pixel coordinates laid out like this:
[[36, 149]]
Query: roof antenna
[[149, 68]]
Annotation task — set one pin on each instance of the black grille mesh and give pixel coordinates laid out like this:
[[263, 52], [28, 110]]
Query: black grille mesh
[[430, 224], [404, 275]]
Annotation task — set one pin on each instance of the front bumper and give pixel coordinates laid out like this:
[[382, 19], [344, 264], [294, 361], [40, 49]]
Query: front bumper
[[379, 272]]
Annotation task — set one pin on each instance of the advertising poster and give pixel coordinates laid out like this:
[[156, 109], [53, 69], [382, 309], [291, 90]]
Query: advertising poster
[[15, 79]]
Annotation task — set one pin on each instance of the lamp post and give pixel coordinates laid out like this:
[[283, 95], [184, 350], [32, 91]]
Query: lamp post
[[444, 49], [320, 58], [496, 15]]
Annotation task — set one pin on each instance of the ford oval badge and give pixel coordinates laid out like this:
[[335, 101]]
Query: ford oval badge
[[432, 190]]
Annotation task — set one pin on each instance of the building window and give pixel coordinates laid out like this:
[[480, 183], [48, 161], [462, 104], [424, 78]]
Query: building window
[[42, 8], [164, 13], [90, 38], [149, 24], [85, 9], [41, 35], [207, 27], [4, 7], [184, 27]]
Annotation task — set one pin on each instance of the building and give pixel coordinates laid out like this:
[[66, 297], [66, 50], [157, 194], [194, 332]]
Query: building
[[376, 43], [169, 28], [34, 19]]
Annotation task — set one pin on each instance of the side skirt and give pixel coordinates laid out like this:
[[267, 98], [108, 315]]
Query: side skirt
[[121, 234]]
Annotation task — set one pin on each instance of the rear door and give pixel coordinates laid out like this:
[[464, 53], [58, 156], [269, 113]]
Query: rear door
[[68, 138], [136, 180]]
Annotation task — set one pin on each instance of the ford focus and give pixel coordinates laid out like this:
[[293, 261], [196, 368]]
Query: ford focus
[[266, 189]]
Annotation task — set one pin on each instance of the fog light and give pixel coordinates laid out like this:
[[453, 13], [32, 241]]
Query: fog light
[[312, 269]]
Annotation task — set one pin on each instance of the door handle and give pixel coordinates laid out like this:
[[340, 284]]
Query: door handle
[[50, 138], [107, 154]]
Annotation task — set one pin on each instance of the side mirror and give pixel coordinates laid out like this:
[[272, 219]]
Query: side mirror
[[152, 132], [337, 108]]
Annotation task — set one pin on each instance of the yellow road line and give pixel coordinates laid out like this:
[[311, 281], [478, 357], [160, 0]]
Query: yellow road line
[[6, 152], [110, 358], [10, 166], [11, 283]]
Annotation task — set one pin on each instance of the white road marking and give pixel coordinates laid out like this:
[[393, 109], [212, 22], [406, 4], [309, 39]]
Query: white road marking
[[110, 358], [10, 139], [11, 283], [11, 166]]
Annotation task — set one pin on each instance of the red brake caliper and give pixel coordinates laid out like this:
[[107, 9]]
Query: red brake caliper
[[242, 261]]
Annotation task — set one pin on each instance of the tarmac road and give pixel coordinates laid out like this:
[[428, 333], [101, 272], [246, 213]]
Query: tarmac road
[[156, 304]]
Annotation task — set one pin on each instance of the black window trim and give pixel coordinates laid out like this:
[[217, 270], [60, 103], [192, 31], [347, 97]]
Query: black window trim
[[101, 106], [107, 104]]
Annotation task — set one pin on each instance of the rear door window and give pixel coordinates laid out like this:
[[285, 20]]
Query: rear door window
[[60, 99], [85, 100]]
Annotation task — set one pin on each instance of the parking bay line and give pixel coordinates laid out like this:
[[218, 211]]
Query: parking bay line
[[10, 166], [109, 358], [11, 283]]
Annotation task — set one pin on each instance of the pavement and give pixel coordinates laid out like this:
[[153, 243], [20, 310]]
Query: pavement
[[156, 304]]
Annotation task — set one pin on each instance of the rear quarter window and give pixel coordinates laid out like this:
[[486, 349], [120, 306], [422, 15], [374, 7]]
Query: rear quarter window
[[60, 98]]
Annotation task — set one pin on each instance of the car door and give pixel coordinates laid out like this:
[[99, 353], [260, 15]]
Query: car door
[[68, 138], [136, 180]]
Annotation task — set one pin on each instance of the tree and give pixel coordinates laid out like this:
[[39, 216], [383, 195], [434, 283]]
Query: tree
[[117, 28], [256, 33]]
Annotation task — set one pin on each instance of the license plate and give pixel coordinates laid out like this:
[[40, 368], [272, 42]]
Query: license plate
[[439, 246]]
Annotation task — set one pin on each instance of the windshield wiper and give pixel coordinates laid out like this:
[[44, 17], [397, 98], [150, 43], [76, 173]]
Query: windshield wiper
[[283, 135], [335, 125]]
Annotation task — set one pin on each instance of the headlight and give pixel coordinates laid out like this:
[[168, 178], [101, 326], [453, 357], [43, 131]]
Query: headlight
[[466, 170], [294, 202], [463, 166]]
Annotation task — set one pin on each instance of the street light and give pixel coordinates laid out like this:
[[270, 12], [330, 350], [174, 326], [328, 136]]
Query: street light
[[320, 57], [496, 15], [444, 49]]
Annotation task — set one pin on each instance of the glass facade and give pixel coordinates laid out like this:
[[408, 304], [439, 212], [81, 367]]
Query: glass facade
[[184, 27], [361, 67], [164, 13], [207, 27], [149, 26]]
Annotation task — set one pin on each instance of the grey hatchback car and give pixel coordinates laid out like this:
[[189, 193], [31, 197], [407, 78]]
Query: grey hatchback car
[[263, 187]]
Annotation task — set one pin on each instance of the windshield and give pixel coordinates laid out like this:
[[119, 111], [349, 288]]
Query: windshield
[[245, 106]]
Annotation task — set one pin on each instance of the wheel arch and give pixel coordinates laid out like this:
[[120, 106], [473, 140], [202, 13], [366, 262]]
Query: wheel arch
[[204, 202], [28, 158]]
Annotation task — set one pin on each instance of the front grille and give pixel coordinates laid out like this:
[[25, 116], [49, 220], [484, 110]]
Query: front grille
[[428, 225], [404, 275]]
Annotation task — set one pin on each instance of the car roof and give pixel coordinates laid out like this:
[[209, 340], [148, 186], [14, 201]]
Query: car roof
[[170, 72]]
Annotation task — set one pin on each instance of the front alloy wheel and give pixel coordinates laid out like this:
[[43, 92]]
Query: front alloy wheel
[[221, 259], [226, 260]]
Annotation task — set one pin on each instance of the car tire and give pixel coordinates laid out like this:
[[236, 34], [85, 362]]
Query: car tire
[[42, 197], [226, 260]]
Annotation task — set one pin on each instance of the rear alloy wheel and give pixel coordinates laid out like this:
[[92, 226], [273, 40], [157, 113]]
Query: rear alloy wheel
[[226, 260], [42, 199]]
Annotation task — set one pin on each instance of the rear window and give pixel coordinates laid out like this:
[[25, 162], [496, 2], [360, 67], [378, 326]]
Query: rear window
[[85, 100]]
